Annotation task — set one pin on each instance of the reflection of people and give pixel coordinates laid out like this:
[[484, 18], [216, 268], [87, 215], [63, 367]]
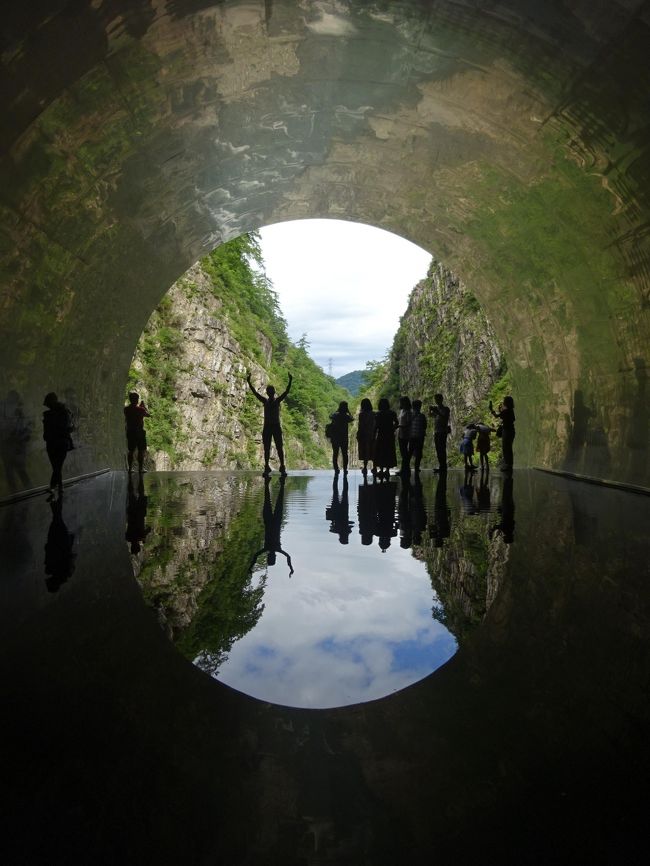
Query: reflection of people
[[339, 511], [441, 526], [272, 518], [367, 511], [441, 430], [418, 511], [506, 414], [404, 514], [59, 556], [136, 516], [15, 433], [272, 429], [483, 491], [136, 438], [340, 421], [386, 524], [57, 427], [506, 526], [466, 493]]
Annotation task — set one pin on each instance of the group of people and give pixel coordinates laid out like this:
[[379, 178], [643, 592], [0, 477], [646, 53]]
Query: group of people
[[380, 434], [377, 432]]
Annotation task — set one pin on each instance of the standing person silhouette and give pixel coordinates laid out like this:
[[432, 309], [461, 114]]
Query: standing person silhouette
[[441, 430], [57, 427], [272, 518], [366, 434], [417, 434], [386, 424], [272, 430], [506, 414], [136, 438], [341, 419], [404, 433]]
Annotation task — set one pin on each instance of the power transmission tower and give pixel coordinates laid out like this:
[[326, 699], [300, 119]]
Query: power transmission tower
[[329, 366]]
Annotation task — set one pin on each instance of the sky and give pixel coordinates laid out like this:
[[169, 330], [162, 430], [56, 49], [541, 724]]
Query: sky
[[352, 624], [343, 284]]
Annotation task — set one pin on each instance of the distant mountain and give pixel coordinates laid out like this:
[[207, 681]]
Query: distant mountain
[[353, 381]]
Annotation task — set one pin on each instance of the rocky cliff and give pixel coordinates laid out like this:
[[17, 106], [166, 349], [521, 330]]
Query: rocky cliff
[[446, 344], [216, 323]]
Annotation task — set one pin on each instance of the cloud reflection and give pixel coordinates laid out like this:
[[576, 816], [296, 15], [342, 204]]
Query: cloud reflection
[[352, 625]]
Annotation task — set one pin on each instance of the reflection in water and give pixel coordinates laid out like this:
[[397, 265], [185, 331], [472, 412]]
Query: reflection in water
[[136, 515], [338, 511], [358, 623], [59, 550], [272, 519]]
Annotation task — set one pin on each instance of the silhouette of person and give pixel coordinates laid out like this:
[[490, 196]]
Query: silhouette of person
[[59, 555], [57, 427], [366, 434], [441, 430], [339, 511], [483, 444], [417, 434], [385, 425], [272, 518], [136, 517], [367, 512], [15, 434], [136, 437], [467, 446], [386, 523], [506, 414], [441, 526], [404, 434], [272, 430], [506, 525], [340, 419]]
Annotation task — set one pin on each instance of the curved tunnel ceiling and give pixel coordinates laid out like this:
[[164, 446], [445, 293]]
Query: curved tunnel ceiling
[[510, 139]]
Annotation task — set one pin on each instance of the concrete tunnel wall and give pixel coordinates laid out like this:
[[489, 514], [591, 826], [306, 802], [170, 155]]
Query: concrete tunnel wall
[[510, 139]]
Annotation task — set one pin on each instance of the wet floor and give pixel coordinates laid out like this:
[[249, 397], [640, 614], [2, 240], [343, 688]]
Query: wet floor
[[483, 652]]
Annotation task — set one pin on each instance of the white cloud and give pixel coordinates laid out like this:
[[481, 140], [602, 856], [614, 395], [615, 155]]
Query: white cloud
[[351, 625], [343, 284]]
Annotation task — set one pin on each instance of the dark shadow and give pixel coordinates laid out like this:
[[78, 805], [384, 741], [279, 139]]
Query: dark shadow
[[506, 526], [15, 434], [639, 432], [466, 493], [386, 522], [136, 515], [339, 511], [441, 526], [59, 555], [418, 511], [272, 518], [367, 512], [483, 498], [587, 448], [404, 516]]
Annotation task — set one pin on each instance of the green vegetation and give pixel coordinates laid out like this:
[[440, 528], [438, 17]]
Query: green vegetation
[[354, 382], [249, 307]]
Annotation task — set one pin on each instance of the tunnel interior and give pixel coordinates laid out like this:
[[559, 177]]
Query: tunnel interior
[[510, 141]]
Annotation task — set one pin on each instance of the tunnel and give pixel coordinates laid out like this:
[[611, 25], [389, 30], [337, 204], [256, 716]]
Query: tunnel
[[509, 139]]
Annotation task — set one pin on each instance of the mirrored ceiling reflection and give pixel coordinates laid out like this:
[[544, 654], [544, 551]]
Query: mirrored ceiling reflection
[[315, 591]]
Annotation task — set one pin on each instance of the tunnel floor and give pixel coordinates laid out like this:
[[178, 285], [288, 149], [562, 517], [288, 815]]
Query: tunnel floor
[[520, 608]]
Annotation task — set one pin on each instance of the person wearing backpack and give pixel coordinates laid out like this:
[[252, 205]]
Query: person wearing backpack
[[340, 420], [57, 427]]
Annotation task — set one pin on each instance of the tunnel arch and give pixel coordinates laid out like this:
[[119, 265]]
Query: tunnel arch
[[510, 141]]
